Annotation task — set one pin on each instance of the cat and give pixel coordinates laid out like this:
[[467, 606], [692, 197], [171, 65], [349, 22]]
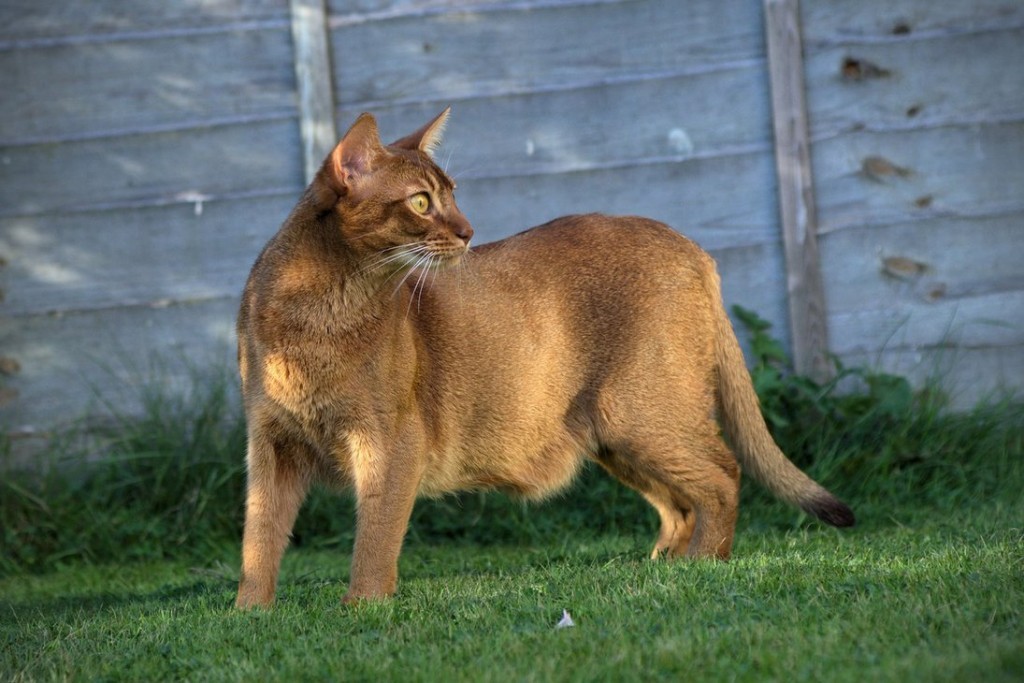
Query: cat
[[377, 351]]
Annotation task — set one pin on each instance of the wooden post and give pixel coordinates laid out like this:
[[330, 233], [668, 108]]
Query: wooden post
[[315, 83], [807, 311]]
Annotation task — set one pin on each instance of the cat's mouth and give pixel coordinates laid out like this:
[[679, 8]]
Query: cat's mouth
[[442, 254], [429, 256], [442, 260]]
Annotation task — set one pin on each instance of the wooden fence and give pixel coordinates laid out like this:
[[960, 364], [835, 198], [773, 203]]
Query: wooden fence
[[148, 150]]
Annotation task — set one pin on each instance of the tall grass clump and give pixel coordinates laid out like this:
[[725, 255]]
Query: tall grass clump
[[161, 482], [170, 482]]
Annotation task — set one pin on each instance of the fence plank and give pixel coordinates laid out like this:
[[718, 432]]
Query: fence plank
[[695, 115], [867, 178], [80, 364], [75, 364], [143, 85], [796, 192], [179, 251], [33, 22], [913, 84], [966, 375], [313, 73], [522, 48], [158, 255], [873, 21], [926, 261], [980, 321], [149, 169], [697, 197]]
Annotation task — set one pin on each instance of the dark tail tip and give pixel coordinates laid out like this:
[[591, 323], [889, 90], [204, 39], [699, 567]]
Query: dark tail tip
[[831, 511]]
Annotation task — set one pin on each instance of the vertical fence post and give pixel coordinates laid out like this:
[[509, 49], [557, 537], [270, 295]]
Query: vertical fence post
[[315, 83], [807, 311]]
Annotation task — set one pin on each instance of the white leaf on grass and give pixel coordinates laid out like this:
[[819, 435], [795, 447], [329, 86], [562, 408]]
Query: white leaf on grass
[[566, 620]]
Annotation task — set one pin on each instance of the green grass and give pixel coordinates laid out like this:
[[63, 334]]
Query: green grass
[[124, 568], [939, 601]]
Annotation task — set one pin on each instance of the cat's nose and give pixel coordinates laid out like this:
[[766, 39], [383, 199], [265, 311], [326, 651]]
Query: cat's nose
[[462, 229]]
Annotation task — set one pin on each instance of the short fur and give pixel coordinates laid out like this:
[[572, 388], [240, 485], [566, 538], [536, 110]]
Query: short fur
[[367, 362]]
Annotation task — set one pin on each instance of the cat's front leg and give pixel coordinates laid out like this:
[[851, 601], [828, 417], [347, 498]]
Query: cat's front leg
[[277, 484], [386, 486]]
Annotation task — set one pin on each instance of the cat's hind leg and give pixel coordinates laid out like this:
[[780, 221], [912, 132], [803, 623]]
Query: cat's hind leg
[[692, 482], [711, 480], [676, 525], [675, 516]]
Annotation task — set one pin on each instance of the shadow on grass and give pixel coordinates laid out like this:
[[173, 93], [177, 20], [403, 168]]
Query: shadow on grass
[[72, 607]]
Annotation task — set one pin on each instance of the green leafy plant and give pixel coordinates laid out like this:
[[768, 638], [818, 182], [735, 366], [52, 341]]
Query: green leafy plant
[[877, 434]]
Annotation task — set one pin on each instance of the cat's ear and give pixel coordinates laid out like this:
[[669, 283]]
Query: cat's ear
[[353, 157], [428, 138]]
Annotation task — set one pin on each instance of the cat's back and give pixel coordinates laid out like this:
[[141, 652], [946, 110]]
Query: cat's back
[[587, 246]]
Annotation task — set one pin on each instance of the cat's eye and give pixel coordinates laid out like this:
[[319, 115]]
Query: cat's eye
[[420, 202]]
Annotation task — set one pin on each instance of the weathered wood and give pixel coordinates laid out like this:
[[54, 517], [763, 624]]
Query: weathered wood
[[145, 256], [74, 365], [560, 141], [984, 320], [947, 260], [808, 329], [149, 169], [702, 115], [954, 171], [182, 251], [926, 284], [135, 86], [24, 21], [315, 84], [918, 171], [966, 375], [522, 49], [754, 277], [924, 87], [829, 23], [343, 12], [697, 197]]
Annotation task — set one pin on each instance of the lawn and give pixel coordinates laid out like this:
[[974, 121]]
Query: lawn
[[940, 597]]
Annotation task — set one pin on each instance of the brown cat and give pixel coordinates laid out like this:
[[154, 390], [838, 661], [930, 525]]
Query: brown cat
[[377, 351]]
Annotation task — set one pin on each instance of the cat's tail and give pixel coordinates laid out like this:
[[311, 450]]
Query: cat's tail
[[740, 414]]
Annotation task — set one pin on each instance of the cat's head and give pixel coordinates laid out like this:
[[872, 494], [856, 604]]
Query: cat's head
[[393, 201]]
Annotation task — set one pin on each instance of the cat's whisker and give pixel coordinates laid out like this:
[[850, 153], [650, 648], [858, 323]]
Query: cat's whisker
[[411, 245], [433, 276], [466, 265], [412, 295], [381, 262], [401, 282], [429, 273], [411, 270], [401, 253], [407, 273], [421, 281], [392, 254]]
